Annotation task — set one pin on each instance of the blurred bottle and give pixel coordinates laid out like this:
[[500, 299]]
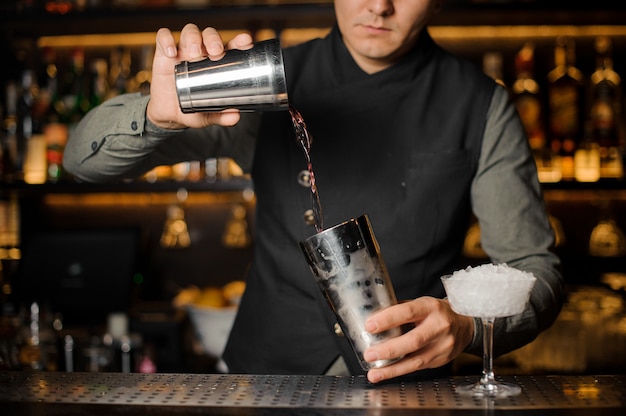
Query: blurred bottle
[[492, 66], [605, 110], [527, 97], [58, 6], [7, 301], [146, 363], [72, 100], [25, 118], [69, 104], [36, 160], [48, 85], [9, 262], [9, 134], [37, 343], [32, 109], [31, 115], [119, 71], [141, 81], [607, 239], [10, 230], [565, 98], [56, 135], [9, 323], [587, 158], [30, 354], [99, 82]]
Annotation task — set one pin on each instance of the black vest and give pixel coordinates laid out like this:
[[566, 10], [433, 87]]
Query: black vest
[[401, 145]]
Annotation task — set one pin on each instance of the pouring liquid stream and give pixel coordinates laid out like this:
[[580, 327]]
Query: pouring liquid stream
[[304, 139]]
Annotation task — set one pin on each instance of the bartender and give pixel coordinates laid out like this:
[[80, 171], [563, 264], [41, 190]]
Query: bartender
[[402, 130]]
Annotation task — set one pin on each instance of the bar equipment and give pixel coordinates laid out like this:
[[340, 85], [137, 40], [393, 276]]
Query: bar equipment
[[252, 79], [349, 269], [56, 393], [488, 292]]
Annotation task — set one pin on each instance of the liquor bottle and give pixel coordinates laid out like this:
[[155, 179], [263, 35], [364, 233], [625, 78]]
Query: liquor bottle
[[48, 85], [72, 99], [527, 98], [565, 102], [99, 82], [31, 163], [43, 113], [25, 119], [141, 81], [56, 135], [38, 350], [36, 160], [58, 6], [31, 115], [69, 104], [9, 134], [605, 99], [492, 66], [587, 157], [119, 71], [30, 355], [9, 319]]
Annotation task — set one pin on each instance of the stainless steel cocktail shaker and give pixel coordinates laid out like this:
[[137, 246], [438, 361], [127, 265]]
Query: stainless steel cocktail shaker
[[248, 80]]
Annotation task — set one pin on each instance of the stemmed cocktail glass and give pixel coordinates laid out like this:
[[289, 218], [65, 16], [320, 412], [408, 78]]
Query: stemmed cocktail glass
[[488, 292]]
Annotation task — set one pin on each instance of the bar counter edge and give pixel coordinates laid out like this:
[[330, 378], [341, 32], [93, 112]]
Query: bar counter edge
[[85, 394]]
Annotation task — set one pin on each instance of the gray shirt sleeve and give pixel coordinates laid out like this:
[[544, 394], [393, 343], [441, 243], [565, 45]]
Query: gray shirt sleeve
[[508, 202], [116, 141]]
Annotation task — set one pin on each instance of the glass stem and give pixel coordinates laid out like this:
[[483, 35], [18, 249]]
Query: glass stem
[[488, 377]]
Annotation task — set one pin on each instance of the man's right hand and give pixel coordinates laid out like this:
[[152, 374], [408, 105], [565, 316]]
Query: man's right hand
[[163, 108]]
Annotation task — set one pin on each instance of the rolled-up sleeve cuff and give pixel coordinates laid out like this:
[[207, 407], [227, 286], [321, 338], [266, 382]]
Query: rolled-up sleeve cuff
[[153, 129]]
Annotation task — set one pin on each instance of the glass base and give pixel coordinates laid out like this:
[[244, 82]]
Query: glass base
[[365, 365], [494, 389]]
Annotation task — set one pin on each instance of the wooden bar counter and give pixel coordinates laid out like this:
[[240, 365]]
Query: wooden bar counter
[[85, 394]]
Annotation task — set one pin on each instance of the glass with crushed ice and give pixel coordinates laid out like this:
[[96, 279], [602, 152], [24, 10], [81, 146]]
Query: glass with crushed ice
[[488, 292], [349, 269]]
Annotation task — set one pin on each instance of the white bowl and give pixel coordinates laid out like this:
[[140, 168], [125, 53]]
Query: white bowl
[[212, 326]]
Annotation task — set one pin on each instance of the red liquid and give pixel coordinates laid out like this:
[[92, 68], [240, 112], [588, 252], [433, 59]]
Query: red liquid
[[304, 138]]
